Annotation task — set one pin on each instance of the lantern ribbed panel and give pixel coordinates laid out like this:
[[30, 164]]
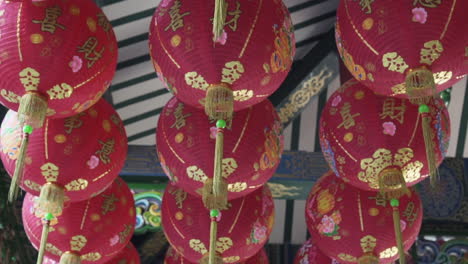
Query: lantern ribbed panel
[[243, 229], [311, 254], [345, 222], [64, 50], [254, 60], [96, 229], [380, 42], [363, 134], [252, 147], [83, 153], [172, 257]]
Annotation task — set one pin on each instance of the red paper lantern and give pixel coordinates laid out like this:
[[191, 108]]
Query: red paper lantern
[[172, 257], [252, 147], [310, 254], [81, 155], [64, 51], [369, 140], [355, 226], [387, 43], [129, 255], [249, 61], [93, 231], [242, 229]]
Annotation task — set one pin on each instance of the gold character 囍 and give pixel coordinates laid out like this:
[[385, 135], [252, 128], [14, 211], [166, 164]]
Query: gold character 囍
[[180, 121], [89, 49], [348, 118], [177, 19], [50, 23], [73, 122], [109, 204], [107, 148], [366, 5], [393, 111]]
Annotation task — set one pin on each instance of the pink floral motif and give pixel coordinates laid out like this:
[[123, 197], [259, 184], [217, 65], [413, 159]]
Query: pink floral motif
[[165, 3], [218, 218], [93, 162], [327, 226], [419, 15], [267, 203], [389, 128], [259, 233], [76, 63], [222, 39], [336, 101], [402, 225], [213, 132], [114, 240]]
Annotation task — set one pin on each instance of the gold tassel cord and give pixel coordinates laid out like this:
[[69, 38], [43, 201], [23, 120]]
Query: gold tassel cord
[[209, 200], [429, 144], [51, 199], [70, 258], [396, 223], [213, 257], [45, 233], [18, 174], [219, 102], [392, 184], [219, 18]]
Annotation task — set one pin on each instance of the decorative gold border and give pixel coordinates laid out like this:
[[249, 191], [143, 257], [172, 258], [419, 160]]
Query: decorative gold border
[[237, 216], [83, 220], [449, 19], [18, 36], [164, 47], [251, 29], [243, 131]]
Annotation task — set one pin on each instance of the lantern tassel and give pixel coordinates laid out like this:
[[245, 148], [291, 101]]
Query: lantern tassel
[[368, 258], [219, 103], [429, 144], [212, 257], [32, 109], [18, 174], [70, 258], [45, 235], [392, 184], [51, 199], [219, 19], [396, 223]]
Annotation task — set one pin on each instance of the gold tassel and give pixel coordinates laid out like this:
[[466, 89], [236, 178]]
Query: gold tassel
[[51, 199], [368, 258], [219, 102], [45, 234], [210, 200], [205, 259], [429, 144], [392, 184], [396, 223], [32, 109], [19, 166], [219, 19], [70, 258]]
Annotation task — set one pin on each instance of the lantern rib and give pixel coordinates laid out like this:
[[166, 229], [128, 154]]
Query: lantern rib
[[449, 19], [251, 30], [46, 133], [414, 130], [341, 146], [164, 48], [237, 216], [361, 220], [90, 78], [83, 220], [18, 36], [102, 175], [243, 130], [357, 32]]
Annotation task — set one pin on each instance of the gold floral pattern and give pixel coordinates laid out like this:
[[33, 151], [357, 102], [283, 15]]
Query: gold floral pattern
[[427, 3], [237, 187], [94, 256], [442, 77], [196, 81], [50, 171], [77, 243], [431, 51], [223, 244], [60, 91], [229, 166], [325, 202], [368, 243], [242, 95], [10, 96], [198, 246], [389, 252], [196, 174], [30, 79], [77, 185], [53, 249], [394, 62], [232, 259], [232, 71], [347, 257], [32, 185]]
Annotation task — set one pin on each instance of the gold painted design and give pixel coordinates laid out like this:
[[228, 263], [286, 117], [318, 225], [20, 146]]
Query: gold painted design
[[77, 243], [123, 236], [50, 172], [389, 252], [374, 211], [237, 187], [393, 111], [85, 214], [431, 52], [180, 117], [229, 166], [10, 96], [108, 205], [348, 137], [379, 199], [30, 79], [235, 15], [91, 24], [18, 31], [32, 185], [198, 246], [368, 243], [60, 91], [89, 50], [442, 77], [410, 213], [73, 122], [347, 257], [241, 136], [53, 249], [77, 185], [196, 174], [177, 19], [382, 159], [36, 38], [179, 196], [194, 80], [427, 3], [399, 89], [232, 259], [394, 62], [232, 71], [366, 6], [94, 256], [243, 95], [164, 47], [101, 176], [60, 138], [234, 223], [175, 41], [361, 220], [347, 117], [368, 23], [74, 10], [279, 190], [107, 148], [252, 28], [50, 23], [223, 244], [90, 79], [350, 19]]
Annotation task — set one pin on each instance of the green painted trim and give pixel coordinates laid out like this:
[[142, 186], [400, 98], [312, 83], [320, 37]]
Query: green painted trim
[[305, 5], [142, 116], [134, 81], [133, 40], [314, 20], [142, 134], [133, 17], [322, 100], [289, 215], [463, 126], [134, 61], [141, 98]]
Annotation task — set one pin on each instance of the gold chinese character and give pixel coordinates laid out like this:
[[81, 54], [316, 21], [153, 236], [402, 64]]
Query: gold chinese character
[[179, 195], [106, 149], [109, 203], [125, 233], [104, 23], [49, 23], [366, 4], [73, 122], [379, 200], [232, 23], [427, 3], [89, 49], [180, 117], [392, 111], [348, 118], [410, 213], [177, 20]]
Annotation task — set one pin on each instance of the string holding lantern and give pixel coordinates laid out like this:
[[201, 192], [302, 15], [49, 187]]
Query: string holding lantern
[[252, 150], [394, 157], [56, 63], [242, 229], [311, 254], [412, 54], [354, 226], [89, 231], [172, 257]]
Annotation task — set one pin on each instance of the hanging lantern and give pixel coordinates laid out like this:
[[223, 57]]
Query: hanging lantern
[[186, 145], [57, 58], [238, 64], [129, 255], [172, 257], [92, 231], [310, 254], [376, 143], [72, 159], [241, 230], [355, 226], [409, 50]]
